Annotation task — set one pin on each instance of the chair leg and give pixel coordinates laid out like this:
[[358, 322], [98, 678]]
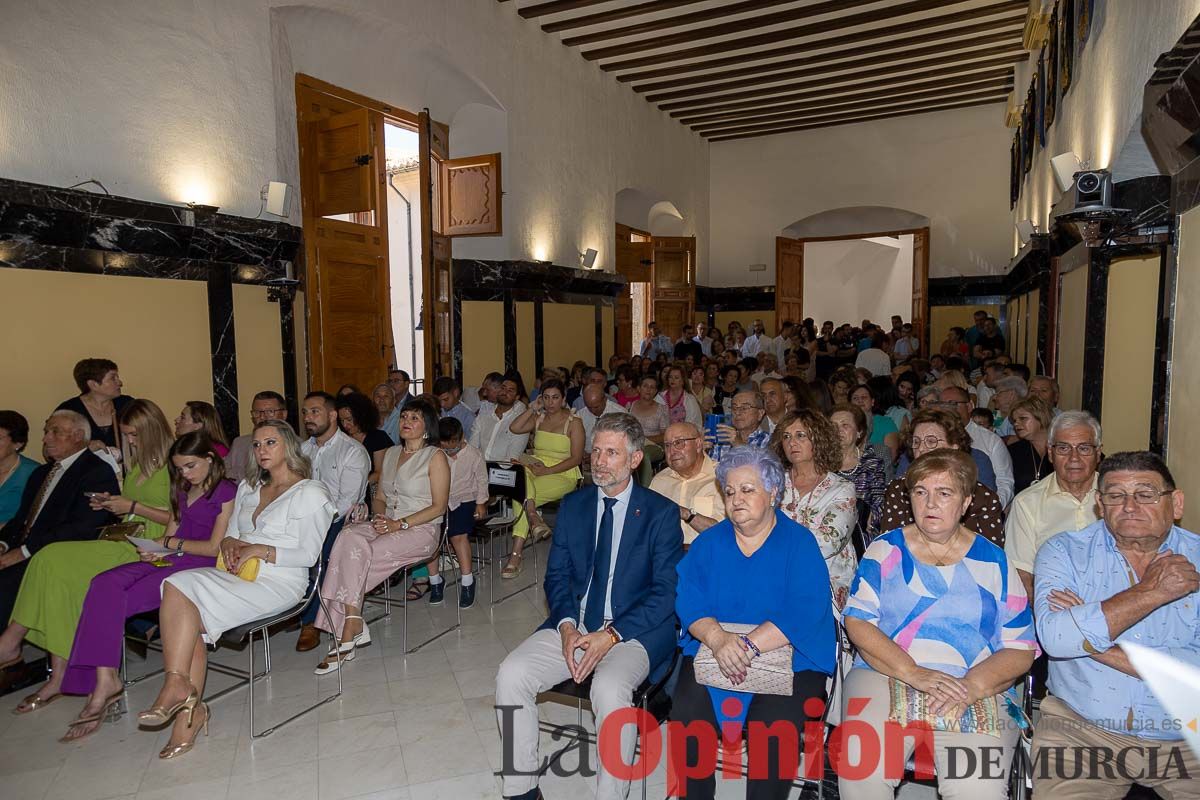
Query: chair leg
[[250, 680]]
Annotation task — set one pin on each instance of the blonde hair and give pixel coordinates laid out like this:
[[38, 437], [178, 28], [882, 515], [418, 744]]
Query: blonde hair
[[953, 377], [295, 459], [154, 437], [1037, 408]]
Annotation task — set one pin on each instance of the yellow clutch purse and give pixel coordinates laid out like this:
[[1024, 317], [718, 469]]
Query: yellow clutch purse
[[248, 571]]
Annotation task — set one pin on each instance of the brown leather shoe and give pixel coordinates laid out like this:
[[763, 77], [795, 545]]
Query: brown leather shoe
[[310, 637]]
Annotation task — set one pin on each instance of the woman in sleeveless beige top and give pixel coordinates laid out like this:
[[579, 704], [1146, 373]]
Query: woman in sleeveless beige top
[[414, 488]]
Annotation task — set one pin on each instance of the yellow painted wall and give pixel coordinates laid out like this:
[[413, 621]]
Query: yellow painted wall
[[257, 340], [1016, 322], [156, 331], [569, 334], [1183, 433], [943, 318], [300, 326], [1072, 327], [609, 327], [526, 357], [723, 318], [482, 338], [1031, 332], [1129, 353]]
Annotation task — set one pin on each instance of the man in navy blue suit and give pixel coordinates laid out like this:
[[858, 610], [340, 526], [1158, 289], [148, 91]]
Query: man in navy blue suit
[[610, 585]]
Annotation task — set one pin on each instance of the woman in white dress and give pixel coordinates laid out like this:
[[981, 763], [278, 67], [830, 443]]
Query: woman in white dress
[[280, 517]]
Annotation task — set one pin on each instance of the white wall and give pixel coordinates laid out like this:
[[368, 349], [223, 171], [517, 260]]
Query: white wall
[[949, 166], [182, 100], [854, 279], [1100, 117]]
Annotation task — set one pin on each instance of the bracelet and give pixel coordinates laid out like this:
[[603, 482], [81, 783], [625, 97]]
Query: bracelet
[[178, 545], [612, 632], [751, 646]]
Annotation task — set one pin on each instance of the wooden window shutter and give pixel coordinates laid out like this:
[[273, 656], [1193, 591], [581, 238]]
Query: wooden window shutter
[[344, 147], [470, 196]]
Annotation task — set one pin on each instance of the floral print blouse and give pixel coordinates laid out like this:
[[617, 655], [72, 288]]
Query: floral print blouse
[[828, 511]]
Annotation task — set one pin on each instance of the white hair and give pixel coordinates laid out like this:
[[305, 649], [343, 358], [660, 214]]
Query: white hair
[[1074, 419], [77, 420]]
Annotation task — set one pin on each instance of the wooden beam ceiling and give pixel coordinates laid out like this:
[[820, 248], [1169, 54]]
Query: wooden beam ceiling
[[616, 14]]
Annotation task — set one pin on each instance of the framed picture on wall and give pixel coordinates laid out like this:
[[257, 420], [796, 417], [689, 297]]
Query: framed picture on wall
[[1050, 103], [1014, 171], [1084, 10], [1066, 46], [1040, 86], [1028, 119]]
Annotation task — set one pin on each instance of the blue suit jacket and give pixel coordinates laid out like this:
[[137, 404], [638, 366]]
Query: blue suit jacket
[[643, 588]]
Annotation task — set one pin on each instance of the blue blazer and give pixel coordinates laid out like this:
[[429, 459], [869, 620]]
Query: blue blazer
[[643, 589]]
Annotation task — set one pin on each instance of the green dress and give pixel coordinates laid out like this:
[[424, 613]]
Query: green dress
[[57, 580]]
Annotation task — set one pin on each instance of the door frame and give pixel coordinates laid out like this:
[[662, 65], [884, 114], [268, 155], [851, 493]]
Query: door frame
[[919, 315]]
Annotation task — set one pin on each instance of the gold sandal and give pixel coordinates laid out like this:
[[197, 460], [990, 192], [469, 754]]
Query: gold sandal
[[33, 702], [509, 570], [161, 716], [175, 750], [100, 717]]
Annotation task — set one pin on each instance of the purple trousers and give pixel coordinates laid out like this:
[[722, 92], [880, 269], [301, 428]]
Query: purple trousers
[[113, 597]]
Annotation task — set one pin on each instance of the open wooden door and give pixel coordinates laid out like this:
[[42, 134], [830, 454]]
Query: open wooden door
[[789, 281], [342, 173], [920, 291], [674, 296], [635, 261]]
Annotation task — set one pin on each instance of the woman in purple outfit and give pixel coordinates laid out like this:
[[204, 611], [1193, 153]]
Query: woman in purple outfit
[[201, 505]]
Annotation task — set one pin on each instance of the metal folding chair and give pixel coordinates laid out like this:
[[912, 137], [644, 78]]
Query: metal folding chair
[[506, 482]]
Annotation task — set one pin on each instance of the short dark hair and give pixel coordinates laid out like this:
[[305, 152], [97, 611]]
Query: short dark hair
[[449, 429], [17, 427], [1021, 371], [1136, 461], [271, 395], [493, 377], [91, 369], [590, 371], [428, 413], [402, 372], [362, 410], [329, 399], [445, 384], [553, 383]]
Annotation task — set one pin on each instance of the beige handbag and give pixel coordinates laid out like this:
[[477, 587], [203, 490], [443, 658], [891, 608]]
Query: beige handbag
[[770, 673]]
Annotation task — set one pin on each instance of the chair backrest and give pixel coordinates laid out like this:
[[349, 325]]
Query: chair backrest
[[859, 536], [507, 480]]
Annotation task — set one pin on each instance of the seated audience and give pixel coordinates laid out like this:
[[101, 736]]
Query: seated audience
[[406, 530], [611, 607], [955, 343], [627, 386], [384, 398], [1030, 453], [957, 401], [651, 414], [1009, 391], [815, 497], [359, 419], [485, 394], [682, 405], [55, 506], [551, 472], [56, 581], [100, 401], [936, 430], [266, 405], [724, 391], [1064, 500], [201, 507], [882, 434], [983, 417], [941, 623], [199, 416], [907, 384], [492, 433], [776, 395], [595, 405], [927, 397], [592, 376], [698, 386], [1129, 577], [449, 396], [1046, 390], [690, 481], [15, 466], [768, 367], [788, 606], [347, 388], [467, 503], [745, 425], [399, 380], [906, 345], [859, 465], [875, 358], [281, 517]]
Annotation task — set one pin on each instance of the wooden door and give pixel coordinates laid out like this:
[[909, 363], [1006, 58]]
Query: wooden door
[[673, 297], [345, 234], [635, 261], [789, 281], [436, 263], [920, 288]]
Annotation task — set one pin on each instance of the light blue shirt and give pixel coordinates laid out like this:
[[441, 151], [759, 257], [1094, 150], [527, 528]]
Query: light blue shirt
[[1088, 563], [391, 425], [659, 344], [464, 415], [618, 512]]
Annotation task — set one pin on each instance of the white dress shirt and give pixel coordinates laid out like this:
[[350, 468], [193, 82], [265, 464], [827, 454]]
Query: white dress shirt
[[618, 512], [997, 451], [342, 465], [493, 436], [589, 421], [754, 343], [705, 344]]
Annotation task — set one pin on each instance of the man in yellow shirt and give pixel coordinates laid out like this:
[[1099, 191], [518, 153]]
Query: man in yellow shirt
[[690, 480]]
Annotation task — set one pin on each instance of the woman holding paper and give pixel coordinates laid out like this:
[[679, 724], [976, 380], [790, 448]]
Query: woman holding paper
[[52, 591]]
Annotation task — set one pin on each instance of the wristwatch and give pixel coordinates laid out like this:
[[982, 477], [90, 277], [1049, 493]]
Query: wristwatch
[[404, 524], [691, 516]]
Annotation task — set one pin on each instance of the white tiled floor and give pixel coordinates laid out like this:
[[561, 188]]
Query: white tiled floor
[[415, 728]]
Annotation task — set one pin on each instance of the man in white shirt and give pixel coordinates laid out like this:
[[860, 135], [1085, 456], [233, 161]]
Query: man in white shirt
[[593, 377], [342, 464], [758, 340], [768, 367], [957, 401], [492, 434], [595, 405], [701, 338]]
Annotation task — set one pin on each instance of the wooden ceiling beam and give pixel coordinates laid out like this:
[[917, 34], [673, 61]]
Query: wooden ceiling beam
[[934, 54], [906, 102], [935, 70], [853, 119], [802, 99], [787, 34], [555, 7], [612, 15], [727, 10]]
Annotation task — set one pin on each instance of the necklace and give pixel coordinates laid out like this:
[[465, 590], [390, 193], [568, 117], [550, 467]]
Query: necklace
[[938, 560], [1037, 463]]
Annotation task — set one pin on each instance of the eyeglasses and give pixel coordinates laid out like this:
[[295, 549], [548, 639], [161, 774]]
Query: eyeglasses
[[1065, 449], [268, 413], [1143, 497], [952, 403], [739, 407], [929, 441], [677, 444]]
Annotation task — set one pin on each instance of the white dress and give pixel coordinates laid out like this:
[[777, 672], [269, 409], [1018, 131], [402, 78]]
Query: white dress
[[295, 524]]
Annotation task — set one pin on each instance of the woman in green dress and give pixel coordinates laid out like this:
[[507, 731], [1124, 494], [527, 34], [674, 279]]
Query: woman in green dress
[[52, 592]]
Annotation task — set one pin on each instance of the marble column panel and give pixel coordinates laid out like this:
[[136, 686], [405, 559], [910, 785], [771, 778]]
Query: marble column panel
[[224, 355]]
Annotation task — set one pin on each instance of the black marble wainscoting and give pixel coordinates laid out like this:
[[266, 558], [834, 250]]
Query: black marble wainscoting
[[537, 282], [711, 299], [71, 230]]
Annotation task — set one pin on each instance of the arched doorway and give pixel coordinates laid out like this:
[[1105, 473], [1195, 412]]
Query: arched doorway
[[858, 262]]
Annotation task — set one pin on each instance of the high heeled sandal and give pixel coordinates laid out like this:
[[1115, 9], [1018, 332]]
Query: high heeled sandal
[[159, 715], [510, 570], [347, 648], [105, 714], [176, 750]]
